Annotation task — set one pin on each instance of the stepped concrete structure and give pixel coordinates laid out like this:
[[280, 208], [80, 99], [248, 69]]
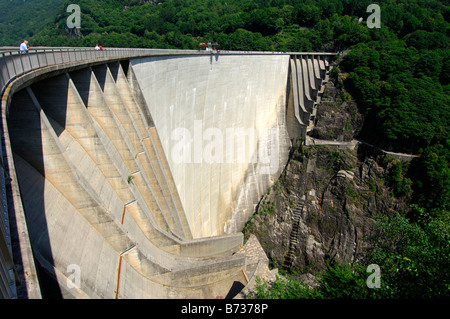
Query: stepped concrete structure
[[130, 173], [308, 73]]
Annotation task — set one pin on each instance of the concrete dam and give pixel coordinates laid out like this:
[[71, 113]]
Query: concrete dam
[[130, 173]]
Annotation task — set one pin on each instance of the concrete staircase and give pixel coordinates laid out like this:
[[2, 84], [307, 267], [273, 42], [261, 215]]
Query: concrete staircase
[[98, 193]]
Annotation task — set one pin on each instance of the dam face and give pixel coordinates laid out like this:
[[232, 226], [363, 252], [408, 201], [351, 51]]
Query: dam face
[[222, 125], [133, 177]]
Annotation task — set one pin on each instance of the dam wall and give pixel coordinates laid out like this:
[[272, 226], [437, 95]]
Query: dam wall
[[98, 195], [221, 120], [130, 175]]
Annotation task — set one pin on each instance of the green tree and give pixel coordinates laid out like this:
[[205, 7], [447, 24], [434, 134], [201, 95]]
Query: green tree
[[343, 281], [283, 288], [431, 175], [307, 15], [414, 261]]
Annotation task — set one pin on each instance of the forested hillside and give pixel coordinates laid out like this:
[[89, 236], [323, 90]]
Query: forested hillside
[[20, 19], [237, 25], [295, 25]]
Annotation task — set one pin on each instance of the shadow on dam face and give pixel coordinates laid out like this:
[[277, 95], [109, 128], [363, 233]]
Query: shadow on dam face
[[26, 127]]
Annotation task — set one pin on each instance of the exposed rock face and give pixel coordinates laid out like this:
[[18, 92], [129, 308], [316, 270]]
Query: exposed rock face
[[322, 208], [326, 200], [337, 115]]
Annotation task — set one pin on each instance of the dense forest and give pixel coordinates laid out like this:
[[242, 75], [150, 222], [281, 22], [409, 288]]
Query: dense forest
[[398, 75], [281, 25], [20, 19]]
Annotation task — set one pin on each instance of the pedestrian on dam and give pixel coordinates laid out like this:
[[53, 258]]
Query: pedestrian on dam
[[24, 47]]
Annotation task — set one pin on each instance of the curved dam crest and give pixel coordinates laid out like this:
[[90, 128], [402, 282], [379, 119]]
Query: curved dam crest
[[237, 94]]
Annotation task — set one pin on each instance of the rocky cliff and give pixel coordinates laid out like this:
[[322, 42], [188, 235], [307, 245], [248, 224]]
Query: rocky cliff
[[322, 207]]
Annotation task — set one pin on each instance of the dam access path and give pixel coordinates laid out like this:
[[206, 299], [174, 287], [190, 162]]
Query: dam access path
[[130, 173]]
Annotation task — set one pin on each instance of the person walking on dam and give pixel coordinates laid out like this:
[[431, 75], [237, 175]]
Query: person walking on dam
[[24, 47]]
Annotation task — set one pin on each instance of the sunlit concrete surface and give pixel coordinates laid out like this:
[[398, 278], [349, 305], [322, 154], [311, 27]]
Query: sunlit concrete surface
[[220, 95]]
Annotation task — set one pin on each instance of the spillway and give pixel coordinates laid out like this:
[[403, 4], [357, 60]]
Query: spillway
[[136, 175]]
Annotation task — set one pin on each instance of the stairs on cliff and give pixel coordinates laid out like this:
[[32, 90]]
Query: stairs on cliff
[[293, 237]]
